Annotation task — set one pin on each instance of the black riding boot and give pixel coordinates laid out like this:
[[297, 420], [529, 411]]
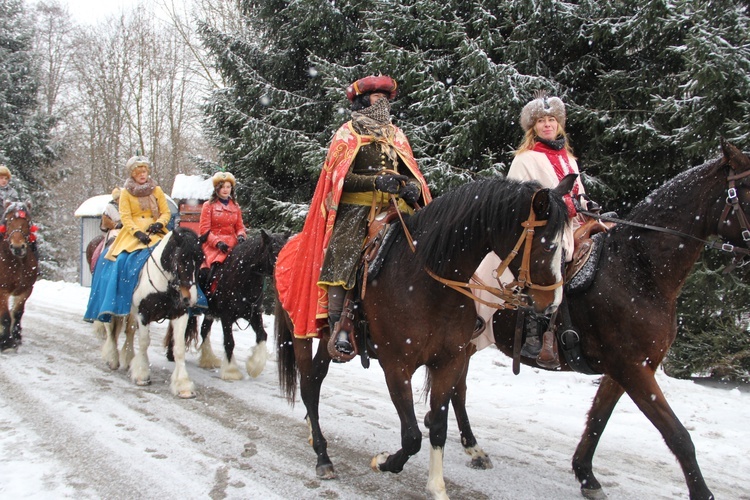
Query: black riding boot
[[342, 343]]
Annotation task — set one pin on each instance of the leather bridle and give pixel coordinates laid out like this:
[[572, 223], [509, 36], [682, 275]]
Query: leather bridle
[[510, 294]]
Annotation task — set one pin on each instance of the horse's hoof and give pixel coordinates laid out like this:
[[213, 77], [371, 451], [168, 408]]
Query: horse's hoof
[[8, 350], [379, 460], [593, 494], [143, 383], [325, 472], [481, 463], [186, 395]]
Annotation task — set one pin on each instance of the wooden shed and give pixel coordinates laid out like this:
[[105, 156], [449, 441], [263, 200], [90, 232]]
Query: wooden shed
[[190, 192], [90, 213]]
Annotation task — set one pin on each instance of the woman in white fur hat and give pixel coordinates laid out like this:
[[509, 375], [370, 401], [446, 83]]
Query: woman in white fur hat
[[545, 156]]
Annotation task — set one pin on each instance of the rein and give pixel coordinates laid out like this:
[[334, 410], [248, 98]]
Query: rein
[[732, 204], [510, 294]]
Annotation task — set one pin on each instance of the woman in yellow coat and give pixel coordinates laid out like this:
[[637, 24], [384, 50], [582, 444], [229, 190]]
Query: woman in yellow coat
[[144, 214]]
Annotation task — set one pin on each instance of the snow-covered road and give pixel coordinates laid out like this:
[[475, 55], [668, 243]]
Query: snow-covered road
[[69, 427]]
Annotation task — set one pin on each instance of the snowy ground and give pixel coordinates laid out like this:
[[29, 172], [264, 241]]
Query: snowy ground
[[69, 427]]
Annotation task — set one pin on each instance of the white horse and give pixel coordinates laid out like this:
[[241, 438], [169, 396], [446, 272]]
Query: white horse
[[166, 289]]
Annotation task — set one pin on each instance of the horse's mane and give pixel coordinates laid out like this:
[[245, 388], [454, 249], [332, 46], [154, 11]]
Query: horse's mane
[[674, 192], [15, 205], [187, 242], [475, 211]]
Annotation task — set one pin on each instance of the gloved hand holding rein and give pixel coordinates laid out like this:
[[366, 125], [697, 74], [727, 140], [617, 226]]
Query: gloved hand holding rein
[[222, 246], [390, 183], [410, 193], [155, 228], [143, 237]]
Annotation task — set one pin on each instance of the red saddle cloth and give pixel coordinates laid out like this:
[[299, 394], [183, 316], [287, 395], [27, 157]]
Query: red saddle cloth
[[96, 254]]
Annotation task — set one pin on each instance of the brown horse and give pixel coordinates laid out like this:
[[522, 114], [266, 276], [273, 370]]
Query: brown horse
[[18, 271], [414, 320], [627, 317]]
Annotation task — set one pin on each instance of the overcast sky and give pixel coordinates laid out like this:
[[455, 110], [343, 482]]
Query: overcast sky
[[91, 11]]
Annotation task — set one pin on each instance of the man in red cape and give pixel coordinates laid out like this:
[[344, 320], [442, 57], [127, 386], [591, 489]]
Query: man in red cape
[[299, 264]]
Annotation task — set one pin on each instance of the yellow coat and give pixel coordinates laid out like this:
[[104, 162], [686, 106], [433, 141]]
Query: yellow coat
[[134, 218]]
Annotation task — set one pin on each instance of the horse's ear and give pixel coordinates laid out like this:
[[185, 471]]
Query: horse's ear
[[566, 184], [265, 237], [736, 158]]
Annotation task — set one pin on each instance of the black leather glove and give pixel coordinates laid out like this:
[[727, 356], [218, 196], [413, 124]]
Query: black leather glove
[[222, 246], [409, 193], [143, 237], [241, 238], [389, 183], [156, 227]]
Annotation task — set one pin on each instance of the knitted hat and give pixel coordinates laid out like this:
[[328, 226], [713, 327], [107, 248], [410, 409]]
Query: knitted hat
[[380, 83], [541, 106], [137, 161], [116, 194], [5, 171], [221, 178]]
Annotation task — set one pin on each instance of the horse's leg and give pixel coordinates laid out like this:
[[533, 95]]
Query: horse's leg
[[606, 398], [445, 380], [229, 368], [181, 384], [19, 306], [7, 342], [398, 379], [257, 361], [312, 372], [479, 459], [140, 373], [109, 348], [208, 359], [645, 392], [127, 353]]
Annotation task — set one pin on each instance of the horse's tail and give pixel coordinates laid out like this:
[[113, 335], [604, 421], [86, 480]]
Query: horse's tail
[[287, 364]]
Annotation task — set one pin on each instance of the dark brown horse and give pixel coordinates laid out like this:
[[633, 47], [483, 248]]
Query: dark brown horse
[[627, 318], [415, 321], [18, 270]]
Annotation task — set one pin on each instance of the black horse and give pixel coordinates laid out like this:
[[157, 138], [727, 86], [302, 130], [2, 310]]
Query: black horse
[[238, 294]]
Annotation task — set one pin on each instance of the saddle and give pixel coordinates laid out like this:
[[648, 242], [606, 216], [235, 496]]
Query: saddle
[[583, 244]]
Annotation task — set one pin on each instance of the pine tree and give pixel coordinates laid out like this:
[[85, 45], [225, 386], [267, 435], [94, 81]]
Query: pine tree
[[272, 122], [24, 130], [649, 85]]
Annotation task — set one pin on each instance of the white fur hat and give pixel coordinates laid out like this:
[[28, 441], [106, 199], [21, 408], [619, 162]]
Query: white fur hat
[[541, 106], [137, 161]]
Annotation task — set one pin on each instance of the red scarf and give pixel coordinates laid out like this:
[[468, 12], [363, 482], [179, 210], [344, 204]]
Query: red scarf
[[559, 160]]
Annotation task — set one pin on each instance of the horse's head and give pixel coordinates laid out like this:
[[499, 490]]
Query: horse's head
[[272, 243], [17, 229], [734, 225], [539, 264], [182, 258]]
